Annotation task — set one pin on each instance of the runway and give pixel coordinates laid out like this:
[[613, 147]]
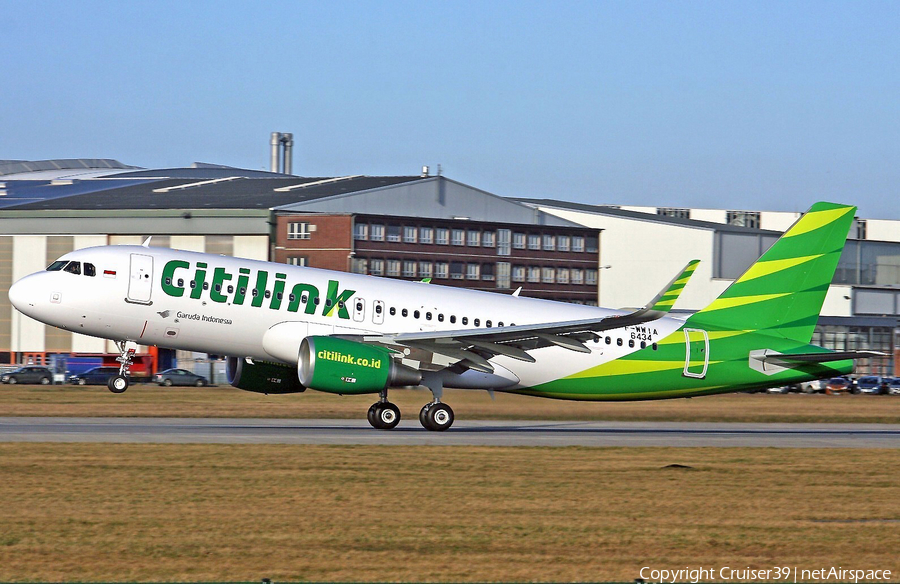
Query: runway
[[464, 432]]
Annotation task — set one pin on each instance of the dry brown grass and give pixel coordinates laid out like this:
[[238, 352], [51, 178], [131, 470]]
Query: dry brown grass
[[151, 400], [91, 512]]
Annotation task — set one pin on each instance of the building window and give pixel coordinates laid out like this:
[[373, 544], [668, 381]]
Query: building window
[[591, 243], [534, 274], [562, 275], [549, 243], [503, 241], [534, 242], [393, 233], [674, 212], [743, 218], [590, 277], [577, 243], [298, 230], [359, 266], [426, 235], [577, 276], [376, 232], [442, 236], [473, 238], [456, 270], [425, 269], [473, 271], [409, 234], [519, 240], [361, 232], [518, 274], [488, 238], [860, 229], [298, 260], [458, 237], [503, 269], [441, 270], [548, 275], [376, 267], [393, 268], [487, 272], [409, 269], [562, 242]]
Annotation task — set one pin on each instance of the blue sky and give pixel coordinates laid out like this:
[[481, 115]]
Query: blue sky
[[745, 105]]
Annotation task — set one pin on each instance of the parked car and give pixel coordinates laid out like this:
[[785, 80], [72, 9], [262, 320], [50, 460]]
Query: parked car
[[179, 377], [873, 384], [95, 376], [29, 374], [814, 386], [779, 389], [837, 385], [894, 386]]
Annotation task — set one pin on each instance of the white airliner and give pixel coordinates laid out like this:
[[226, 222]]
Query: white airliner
[[288, 328]]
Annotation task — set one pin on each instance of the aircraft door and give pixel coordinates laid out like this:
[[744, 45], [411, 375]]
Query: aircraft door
[[696, 354], [359, 309], [378, 312], [140, 282]]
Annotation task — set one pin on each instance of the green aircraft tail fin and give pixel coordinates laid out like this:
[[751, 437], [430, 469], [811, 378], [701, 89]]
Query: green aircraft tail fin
[[782, 293]]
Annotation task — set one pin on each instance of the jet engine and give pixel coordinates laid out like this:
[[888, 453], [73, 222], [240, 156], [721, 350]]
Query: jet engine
[[262, 377], [341, 366]]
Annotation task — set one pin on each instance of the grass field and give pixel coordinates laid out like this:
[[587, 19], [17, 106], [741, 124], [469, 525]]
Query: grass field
[[152, 400], [92, 512]]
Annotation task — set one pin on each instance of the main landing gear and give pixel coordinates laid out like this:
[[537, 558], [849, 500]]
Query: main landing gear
[[435, 416], [119, 383]]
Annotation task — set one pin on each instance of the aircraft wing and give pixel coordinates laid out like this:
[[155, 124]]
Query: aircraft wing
[[473, 347]]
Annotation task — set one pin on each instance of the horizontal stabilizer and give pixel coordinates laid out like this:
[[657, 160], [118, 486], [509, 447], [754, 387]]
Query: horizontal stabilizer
[[822, 357]]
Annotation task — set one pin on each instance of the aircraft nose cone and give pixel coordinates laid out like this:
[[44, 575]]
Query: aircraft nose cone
[[17, 295], [22, 295]]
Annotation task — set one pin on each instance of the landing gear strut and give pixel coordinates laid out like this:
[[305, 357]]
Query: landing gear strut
[[435, 416], [119, 383], [383, 415]]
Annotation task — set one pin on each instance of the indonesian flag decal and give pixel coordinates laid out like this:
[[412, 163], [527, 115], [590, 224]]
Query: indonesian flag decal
[[109, 273]]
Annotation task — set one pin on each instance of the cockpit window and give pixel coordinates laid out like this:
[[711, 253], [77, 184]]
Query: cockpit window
[[56, 266], [89, 270], [73, 268]]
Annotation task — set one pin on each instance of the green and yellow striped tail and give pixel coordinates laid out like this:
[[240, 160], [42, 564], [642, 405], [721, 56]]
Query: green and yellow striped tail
[[782, 293]]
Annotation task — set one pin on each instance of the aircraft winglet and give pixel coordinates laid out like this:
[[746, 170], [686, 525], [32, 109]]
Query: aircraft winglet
[[666, 299]]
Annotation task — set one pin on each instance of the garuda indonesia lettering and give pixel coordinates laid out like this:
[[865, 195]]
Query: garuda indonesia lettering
[[290, 328]]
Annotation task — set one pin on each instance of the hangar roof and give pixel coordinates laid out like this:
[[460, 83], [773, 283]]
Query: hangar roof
[[94, 184]]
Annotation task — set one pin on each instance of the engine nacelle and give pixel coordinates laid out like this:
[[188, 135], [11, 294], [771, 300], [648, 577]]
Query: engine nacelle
[[262, 377], [347, 367]]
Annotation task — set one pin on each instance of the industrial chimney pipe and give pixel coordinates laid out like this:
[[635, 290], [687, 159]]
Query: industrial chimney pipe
[[275, 142], [288, 140]]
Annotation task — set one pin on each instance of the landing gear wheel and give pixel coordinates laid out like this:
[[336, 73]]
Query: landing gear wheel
[[117, 384], [423, 415], [439, 417], [372, 413], [385, 416]]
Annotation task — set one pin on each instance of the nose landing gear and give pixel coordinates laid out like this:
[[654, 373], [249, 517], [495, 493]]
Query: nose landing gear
[[119, 383]]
